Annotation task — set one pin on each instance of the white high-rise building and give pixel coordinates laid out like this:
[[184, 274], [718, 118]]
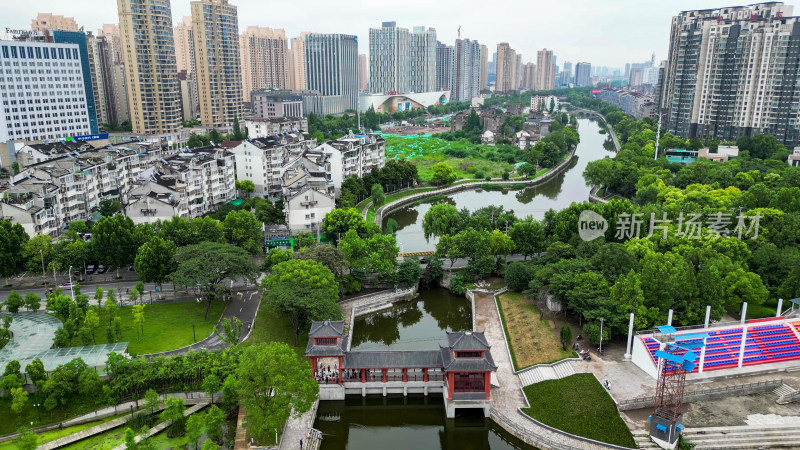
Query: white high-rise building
[[402, 62], [389, 63], [39, 110], [445, 63], [583, 74], [466, 71], [265, 60]]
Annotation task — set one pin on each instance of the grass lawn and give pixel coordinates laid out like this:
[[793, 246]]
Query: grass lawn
[[11, 421], [58, 434], [105, 441], [167, 326], [580, 405], [273, 326], [426, 151], [532, 341]]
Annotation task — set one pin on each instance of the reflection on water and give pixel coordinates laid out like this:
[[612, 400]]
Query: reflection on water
[[401, 423], [558, 193], [419, 324]]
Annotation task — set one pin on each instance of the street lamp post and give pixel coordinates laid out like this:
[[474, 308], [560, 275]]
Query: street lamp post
[[38, 412], [71, 287], [601, 335], [44, 274]]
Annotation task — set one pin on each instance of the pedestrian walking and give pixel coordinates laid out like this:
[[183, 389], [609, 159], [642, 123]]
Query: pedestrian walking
[[301, 444]]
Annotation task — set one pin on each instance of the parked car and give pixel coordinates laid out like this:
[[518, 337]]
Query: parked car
[[90, 269], [102, 269], [130, 268], [66, 285], [423, 260]]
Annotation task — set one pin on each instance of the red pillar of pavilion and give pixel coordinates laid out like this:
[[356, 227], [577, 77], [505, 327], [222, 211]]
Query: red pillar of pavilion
[[488, 385], [425, 375], [405, 375], [383, 375], [450, 382], [363, 375]]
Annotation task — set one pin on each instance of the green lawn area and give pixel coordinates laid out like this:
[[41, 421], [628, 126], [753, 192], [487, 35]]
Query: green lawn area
[[105, 441], [58, 434], [580, 405], [426, 151], [167, 326], [531, 340], [12, 421], [273, 326]]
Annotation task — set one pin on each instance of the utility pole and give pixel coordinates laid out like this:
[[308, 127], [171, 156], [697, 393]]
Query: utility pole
[[658, 134]]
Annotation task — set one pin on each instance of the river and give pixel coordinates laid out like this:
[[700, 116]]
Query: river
[[558, 193]]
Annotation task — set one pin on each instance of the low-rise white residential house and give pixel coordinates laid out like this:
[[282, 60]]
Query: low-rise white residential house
[[159, 198], [353, 155], [31, 154], [309, 169], [306, 208], [209, 176], [488, 138], [523, 139], [261, 160], [34, 204], [794, 158], [543, 103], [259, 128]]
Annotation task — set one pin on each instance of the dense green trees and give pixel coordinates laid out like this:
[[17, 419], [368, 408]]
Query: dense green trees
[[12, 240], [273, 383], [113, 241], [304, 290], [153, 261], [203, 266], [244, 230]]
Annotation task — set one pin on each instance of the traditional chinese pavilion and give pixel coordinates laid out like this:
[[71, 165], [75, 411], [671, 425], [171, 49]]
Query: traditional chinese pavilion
[[460, 371]]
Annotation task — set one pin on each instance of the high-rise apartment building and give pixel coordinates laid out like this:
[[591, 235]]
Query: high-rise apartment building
[[45, 23], [184, 45], [265, 60], [422, 59], [466, 70], [484, 67], [43, 110], [332, 69], [506, 68], [402, 62], [528, 77], [148, 50], [117, 94], [734, 72], [79, 38], [445, 63], [389, 59], [215, 27], [297, 62], [564, 77], [101, 67], [363, 75], [583, 74], [545, 70]]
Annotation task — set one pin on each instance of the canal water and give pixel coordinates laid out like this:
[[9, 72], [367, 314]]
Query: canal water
[[419, 324], [557, 193], [403, 423]]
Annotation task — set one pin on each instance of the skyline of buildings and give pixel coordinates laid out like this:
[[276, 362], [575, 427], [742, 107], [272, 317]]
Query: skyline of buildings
[[268, 59]]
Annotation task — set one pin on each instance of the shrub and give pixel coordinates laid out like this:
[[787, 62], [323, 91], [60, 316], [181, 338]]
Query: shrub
[[458, 284], [519, 275]]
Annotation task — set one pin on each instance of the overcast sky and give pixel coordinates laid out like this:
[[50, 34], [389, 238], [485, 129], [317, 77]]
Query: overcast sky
[[604, 33]]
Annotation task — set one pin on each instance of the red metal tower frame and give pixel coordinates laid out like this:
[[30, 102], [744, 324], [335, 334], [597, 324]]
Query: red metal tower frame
[[669, 390]]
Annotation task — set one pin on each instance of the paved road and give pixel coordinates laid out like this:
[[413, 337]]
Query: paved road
[[244, 307]]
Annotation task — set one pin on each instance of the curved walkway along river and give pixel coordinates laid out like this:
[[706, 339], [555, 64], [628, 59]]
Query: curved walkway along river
[[555, 190]]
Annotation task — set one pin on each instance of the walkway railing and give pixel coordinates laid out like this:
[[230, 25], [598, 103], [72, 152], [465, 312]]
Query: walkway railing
[[706, 394], [389, 207]]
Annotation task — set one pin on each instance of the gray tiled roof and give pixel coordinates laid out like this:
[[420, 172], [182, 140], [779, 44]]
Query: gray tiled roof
[[326, 329], [467, 340], [326, 350], [392, 359], [466, 364]]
